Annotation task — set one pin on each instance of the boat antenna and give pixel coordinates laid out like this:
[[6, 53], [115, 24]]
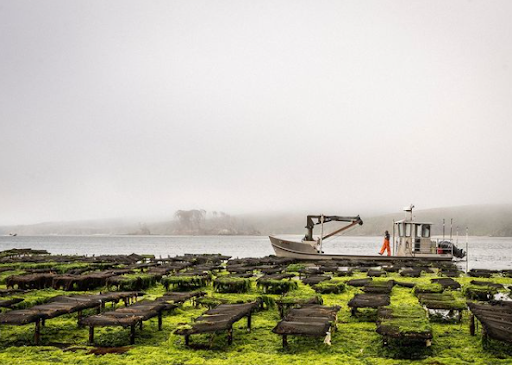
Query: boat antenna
[[467, 251], [409, 210], [322, 232], [451, 228], [393, 246]]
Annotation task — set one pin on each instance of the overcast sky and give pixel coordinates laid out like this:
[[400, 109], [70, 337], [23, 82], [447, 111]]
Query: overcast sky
[[140, 108]]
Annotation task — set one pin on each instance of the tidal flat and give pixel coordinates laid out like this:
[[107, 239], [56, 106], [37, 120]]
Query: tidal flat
[[355, 341]]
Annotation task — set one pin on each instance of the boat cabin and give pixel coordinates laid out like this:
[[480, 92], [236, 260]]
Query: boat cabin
[[413, 238]]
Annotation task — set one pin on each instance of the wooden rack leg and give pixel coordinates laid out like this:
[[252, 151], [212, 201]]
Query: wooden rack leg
[[485, 337], [285, 341], [249, 320], [91, 335], [37, 332], [187, 340], [230, 336], [79, 319], [132, 334], [159, 321], [140, 325], [472, 324]]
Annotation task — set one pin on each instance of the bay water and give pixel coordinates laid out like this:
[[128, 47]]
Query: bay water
[[484, 252]]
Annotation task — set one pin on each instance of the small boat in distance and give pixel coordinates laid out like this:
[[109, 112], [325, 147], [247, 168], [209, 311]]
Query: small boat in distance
[[411, 241]]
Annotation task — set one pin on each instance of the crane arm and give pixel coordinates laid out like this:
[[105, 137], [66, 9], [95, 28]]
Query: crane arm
[[310, 223]]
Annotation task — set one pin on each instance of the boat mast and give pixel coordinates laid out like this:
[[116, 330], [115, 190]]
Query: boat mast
[[322, 232]]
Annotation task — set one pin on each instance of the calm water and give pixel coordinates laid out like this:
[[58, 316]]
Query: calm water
[[484, 252]]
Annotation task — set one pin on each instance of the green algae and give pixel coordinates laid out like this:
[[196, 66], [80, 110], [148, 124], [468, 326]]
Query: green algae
[[277, 286], [405, 319], [330, 287], [185, 283], [478, 292], [295, 268], [428, 288], [231, 285], [354, 342], [132, 282]]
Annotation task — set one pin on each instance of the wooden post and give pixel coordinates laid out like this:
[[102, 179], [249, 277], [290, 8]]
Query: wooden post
[[43, 322], [230, 335], [160, 320], [91, 335], [187, 340], [485, 337], [285, 341], [472, 324], [140, 325], [79, 325], [132, 334], [249, 322], [37, 332]]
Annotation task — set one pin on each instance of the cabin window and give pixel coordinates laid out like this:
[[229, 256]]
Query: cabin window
[[401, 230], [425, 231], [408, 230], [418, 230]]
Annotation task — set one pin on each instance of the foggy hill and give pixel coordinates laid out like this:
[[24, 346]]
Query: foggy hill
[[482, 220]]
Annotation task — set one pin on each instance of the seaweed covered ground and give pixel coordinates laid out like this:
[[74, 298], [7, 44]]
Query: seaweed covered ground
[[355, 342]]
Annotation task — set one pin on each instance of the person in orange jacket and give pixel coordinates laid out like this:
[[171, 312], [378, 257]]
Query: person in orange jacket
[[385, 245]]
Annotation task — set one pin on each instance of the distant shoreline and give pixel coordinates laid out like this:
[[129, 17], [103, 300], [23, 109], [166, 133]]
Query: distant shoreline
[[461, 237]]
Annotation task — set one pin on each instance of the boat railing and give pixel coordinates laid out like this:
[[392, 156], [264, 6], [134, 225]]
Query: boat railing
[[438, 250], [443, 249]]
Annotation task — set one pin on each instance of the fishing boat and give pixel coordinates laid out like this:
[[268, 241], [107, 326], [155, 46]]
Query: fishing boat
[[411, 241]]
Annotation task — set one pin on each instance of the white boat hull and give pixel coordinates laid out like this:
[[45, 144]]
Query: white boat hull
[[304, 251]]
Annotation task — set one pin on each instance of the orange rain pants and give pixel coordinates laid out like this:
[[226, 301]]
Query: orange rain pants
[[385, 246]]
